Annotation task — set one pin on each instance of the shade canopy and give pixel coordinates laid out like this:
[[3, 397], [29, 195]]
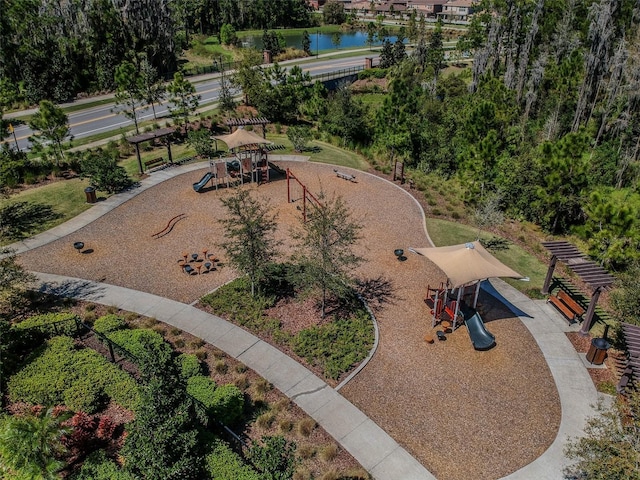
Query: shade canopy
[[466, 263], [242, 138]]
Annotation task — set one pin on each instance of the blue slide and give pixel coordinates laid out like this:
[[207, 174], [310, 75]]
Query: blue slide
[[481, 338], [203, 181]]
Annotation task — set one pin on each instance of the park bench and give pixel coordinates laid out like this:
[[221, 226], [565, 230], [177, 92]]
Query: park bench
[[566, 305], [154, 162]]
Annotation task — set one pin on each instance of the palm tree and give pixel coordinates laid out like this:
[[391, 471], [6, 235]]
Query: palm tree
[[31, 444]]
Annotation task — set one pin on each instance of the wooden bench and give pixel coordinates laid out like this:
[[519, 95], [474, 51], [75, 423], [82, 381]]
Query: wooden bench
[[566, 305], [154, 162]]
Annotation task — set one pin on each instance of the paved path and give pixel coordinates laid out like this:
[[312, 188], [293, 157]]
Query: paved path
[[359, 435], [376, 451], [577, 393]]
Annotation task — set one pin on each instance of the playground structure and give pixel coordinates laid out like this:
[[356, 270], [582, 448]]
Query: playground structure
[[249, 166], [465, 265], [296, 190], [447, 312]]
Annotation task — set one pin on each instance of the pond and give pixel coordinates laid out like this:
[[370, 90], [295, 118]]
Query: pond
[[320, 41]]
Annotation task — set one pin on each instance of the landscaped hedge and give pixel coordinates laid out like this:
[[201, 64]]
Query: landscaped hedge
[[338, 345], [224, 403], [97, 466], [60, 373], [234, 301], [109, 323], [224, 464], [189, 365], [137, 341], [51, 323]]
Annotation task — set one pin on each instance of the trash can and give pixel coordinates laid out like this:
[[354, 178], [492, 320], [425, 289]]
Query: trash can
[[597, 351], [90, 192]]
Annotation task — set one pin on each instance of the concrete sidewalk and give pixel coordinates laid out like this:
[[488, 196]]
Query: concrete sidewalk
[[376, 451], [578, 395]]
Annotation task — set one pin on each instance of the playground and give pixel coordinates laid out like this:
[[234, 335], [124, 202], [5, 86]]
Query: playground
[[462, 413]]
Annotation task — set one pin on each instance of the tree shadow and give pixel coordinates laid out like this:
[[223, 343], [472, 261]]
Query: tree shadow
[[78, 289], [377, 292], [20, 219]]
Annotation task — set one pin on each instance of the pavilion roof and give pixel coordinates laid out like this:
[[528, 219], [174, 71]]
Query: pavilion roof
[[144, 137]]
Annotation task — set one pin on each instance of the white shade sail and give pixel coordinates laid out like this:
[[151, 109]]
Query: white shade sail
[[242, 138], [466, 263]]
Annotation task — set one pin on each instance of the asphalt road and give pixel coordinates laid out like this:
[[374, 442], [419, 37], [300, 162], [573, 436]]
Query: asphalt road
[[105, 118]]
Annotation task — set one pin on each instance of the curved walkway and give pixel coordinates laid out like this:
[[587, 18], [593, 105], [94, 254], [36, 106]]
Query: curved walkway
[[368, 443]]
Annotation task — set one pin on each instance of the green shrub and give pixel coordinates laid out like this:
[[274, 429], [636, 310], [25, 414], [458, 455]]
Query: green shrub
[[97, 466], [51, 323], [224, 403], [58, 372], [228, 404], [234, 301], [224, 464], [109, 323], [189, 365], [336, 346], [202, 388], [136, 341]]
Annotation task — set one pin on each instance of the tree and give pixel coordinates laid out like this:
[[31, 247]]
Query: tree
[[152, 90], [182, 94], [31, 445], [226, 102], [565, 165], [371, 35], [306, 43], [336, 40], [14, 282], [610, 446], [228, 35], [386, 54], [333, 13], [249, 229], [412, 27], [345, 117], [325, 248], [299, 136], [249, 76], [625, 298], [435, 52], [103, 171], [200, 141], [51, 126], [128, 91], [163, 442]]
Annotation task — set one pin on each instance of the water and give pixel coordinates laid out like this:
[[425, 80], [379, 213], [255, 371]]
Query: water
[[321, 41]]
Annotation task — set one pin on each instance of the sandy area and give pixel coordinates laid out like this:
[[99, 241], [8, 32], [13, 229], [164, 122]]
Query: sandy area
[[462, 413]]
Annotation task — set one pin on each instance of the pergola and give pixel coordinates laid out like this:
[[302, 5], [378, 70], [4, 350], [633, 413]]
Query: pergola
[[243, 122], [596, 277], [145, 137], [631, 334]]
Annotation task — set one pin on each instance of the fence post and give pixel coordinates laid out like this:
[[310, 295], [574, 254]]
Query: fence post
[[113, 357], [288, 188], [304, 203], [55, 327]]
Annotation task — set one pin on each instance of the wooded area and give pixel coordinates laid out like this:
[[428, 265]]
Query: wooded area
[[54, 50]]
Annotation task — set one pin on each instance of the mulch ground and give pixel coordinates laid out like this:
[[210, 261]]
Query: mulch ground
[[462, 413]]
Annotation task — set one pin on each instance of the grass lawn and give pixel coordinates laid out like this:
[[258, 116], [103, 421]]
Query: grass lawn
[[66, 197], [327, 153], [443, 233]]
